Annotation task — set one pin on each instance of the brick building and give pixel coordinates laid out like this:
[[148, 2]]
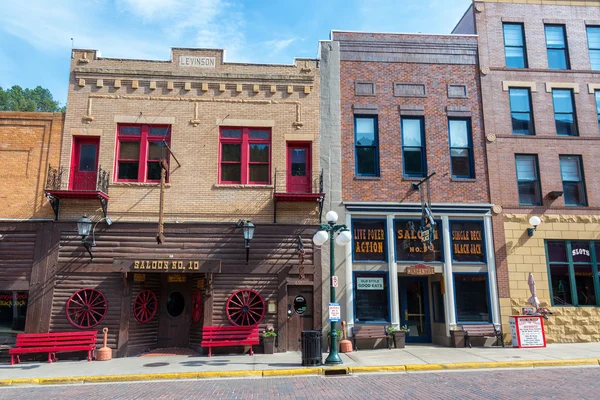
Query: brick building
[[539, 63], [236, 145], [396, 108], [29, 144]]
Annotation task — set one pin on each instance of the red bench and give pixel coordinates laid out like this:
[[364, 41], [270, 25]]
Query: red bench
[[221, 336], [52, 343]]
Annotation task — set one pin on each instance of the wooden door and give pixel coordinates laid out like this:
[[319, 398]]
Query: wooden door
[[84, 165], [299, 176], [300, 303], [175, 312]]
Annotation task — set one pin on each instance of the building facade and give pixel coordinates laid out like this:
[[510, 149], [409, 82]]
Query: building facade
[[189, 153], [402, 128], [539, 67], [30, 145]]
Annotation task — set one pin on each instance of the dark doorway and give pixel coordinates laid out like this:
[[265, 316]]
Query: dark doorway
[[300, 303], [175, 311], [414, 309]]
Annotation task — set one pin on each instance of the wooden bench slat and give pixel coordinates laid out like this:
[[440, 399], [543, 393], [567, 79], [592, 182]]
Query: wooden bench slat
[[222, 336], [481, 330], [54, 342], [369, 332]]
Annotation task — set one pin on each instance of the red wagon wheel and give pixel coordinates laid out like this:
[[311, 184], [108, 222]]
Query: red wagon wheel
[[86, 308], [245, 307], [196, 306], [145, 306]]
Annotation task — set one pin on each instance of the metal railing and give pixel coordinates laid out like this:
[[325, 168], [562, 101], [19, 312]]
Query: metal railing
[[286, 181], [89, 181]]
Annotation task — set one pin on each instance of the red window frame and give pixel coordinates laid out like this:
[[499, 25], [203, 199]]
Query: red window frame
[[245, 141], [144, 138]]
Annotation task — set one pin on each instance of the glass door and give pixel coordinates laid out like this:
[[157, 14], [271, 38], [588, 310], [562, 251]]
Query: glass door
[[299, 178], [414, 309]]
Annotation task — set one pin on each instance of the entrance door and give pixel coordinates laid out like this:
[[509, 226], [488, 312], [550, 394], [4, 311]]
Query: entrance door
[[300, 303], [299, 177], [84, 165], [414, 309], [175, 312]]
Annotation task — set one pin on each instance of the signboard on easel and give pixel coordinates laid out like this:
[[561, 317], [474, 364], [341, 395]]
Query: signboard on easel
[[527, 331]]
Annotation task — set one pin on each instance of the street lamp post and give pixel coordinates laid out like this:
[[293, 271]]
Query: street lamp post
[[327, 231]]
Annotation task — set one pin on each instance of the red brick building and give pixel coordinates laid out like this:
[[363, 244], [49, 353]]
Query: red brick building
[[408, 106], [540, 79]]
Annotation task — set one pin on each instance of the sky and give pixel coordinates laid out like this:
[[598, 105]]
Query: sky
[[36, 36]]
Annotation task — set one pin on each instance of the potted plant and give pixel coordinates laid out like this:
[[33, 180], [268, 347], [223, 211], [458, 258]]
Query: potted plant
[[269, 336], [398, 335], [457, 336], [340, 336]]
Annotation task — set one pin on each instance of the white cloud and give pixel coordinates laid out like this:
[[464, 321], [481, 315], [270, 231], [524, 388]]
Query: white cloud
[[278, 45]]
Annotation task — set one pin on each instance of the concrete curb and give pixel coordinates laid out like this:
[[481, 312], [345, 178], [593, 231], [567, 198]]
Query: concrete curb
[[296, 372]]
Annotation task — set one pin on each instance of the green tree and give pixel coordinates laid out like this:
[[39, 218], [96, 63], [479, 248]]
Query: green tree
[[18, 99]]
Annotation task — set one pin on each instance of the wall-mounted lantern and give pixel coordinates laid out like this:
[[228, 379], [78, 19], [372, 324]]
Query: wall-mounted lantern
[[533, 221], [84, 226], [248, 229]]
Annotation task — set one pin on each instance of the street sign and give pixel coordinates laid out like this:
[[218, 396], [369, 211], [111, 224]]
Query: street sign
[[334, 281], [334, 312]]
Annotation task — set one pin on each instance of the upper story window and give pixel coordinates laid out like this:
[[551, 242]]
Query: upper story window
[[245, 156], [564, 112], [571, 171], [514, 46], [414, 159], [461, 148], [366, 146], [556, 44], [520, 111], [597, 94], [139, 151], [528, 180], [593, 36]]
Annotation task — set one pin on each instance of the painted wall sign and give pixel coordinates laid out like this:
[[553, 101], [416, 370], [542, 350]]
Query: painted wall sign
[[409, 244], [420, 269], [467, 241], [198, 62], [369, 283], [166, 265], [369, 240], [176, 278], [139, 277]]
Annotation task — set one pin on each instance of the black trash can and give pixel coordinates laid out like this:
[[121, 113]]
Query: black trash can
[[312, 353]]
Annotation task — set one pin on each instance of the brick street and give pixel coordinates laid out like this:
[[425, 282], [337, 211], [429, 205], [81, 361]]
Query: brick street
[[559, 383]]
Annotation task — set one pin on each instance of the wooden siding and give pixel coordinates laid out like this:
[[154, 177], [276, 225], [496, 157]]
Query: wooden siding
[[112, 288], [16, 256], [143, 336], [196, 327]]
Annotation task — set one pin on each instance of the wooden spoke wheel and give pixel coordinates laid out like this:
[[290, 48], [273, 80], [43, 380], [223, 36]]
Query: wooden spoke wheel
[[86, 308], [245, 307], [145, 306]]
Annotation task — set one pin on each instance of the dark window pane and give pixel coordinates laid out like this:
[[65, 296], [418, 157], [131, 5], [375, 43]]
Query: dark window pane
[[573, 194], [231, 152], [561, 288], [369, 240], [259, 173], [128, 170], [259, 134], [87, 157], [584, 285], [129, 151], [409, 246], [460, 163], [175, 304], [231, 172], [467, 241], [131, 130], [565, 125], [155, 151], [413, 162], [371, 298], [298, 162], [231, 133], [526, 168], [557, 251], [471, 298], [259, 153], [365, 161], [528, 194], [557, 59], [158, 131], [438, 302], [580, 251], [521, 124], [154, 171]]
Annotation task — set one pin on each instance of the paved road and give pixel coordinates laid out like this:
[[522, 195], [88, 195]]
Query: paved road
[[551, 383]]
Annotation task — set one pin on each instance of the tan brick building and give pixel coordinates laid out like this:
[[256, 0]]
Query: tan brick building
[[238, 143], [399, 107], [539, 80], [29, 144]]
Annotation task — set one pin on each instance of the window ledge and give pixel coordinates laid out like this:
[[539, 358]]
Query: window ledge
[[367, 178], [463, 179], [138, 184], [412, 179], [239, 186]]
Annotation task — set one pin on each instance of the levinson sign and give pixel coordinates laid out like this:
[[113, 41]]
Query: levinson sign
[[198, 62]]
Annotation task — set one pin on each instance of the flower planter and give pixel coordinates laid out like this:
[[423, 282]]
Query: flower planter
[[399, 339], [269, 344], [457, 339]]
